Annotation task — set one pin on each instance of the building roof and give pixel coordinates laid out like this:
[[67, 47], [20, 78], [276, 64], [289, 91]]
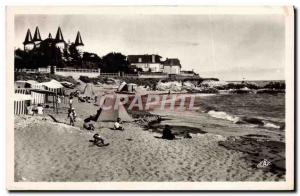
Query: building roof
[[59, 37], [49, 40], [28, 38], [187, 72], [37, 35], [172, 62], [146, 58], [78, 41]]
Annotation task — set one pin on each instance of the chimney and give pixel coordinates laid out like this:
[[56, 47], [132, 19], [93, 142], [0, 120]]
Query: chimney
[[153, 58]]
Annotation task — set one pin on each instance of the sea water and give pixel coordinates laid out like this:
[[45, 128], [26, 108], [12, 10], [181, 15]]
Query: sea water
[[261, 109]]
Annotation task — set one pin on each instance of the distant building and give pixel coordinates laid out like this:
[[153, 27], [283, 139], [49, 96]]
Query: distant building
[[58, 41], [146, 62], [188, 73], [171, 66]]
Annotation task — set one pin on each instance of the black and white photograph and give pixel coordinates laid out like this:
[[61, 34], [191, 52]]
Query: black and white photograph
[[200, 98]]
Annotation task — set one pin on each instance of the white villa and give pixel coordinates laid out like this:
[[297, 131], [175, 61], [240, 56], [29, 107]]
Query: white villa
[[146, 62]]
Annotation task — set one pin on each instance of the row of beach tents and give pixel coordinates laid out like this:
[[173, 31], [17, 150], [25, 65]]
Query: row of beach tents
[[33, 92]]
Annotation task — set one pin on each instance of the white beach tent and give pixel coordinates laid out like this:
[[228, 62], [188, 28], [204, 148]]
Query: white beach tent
[[53, 86], [20, 103], [127, 88]]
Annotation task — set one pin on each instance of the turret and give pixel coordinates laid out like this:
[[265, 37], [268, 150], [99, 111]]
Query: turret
[[28, 42], [37, 37], [59, 40], [79, 44]]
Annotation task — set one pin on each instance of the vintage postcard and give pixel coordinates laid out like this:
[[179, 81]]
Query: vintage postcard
[[150, 98]]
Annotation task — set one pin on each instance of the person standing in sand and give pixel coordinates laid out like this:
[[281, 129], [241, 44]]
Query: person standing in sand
[[71, 101], [72, 116], [29, 109], [58, 100], [96, 99], [40, 109]]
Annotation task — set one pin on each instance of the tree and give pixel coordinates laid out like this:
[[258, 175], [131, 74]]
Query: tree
[[91, 60], [20, 59], [75, 58], [114, 62]]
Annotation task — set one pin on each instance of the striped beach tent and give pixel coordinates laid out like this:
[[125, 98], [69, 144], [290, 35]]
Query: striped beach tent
[[53, 86], [38, 98], [20, 103], [25, 86], [24, 91]]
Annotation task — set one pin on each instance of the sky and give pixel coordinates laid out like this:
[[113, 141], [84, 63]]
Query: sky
[[228, 47]]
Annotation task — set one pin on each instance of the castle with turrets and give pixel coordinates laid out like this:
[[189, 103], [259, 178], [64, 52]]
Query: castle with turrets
[[59, 42]]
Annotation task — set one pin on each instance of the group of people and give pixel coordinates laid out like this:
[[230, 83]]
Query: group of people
[[168, 135], [88, 123], [35, 109]]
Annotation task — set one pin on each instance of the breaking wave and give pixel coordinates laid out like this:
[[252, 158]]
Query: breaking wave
[[223, 115], [245, 120]]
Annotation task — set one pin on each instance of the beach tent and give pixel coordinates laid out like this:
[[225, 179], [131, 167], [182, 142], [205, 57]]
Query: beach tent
[[20, 103], [37, 98], [88, 90], [128, 88], [122, 86], [25, 87], [113, 113], [53, 86]]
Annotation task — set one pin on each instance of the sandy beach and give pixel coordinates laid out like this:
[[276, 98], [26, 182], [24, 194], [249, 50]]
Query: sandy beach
[[49, 151]]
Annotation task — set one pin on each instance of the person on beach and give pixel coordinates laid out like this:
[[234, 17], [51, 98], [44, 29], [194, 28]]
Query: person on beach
[[167, 133], [187, 135], [58, 100], [87, 124], [71, 101], [71, 112], [96, 99], [72, 115], [97, 140], [29, 109], [40, 109], [117, 125]]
